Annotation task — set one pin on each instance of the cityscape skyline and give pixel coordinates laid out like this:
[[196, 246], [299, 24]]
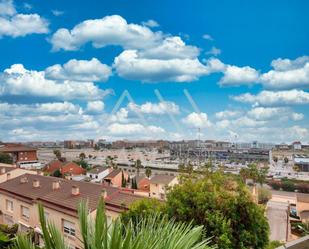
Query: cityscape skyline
[[129, 71]]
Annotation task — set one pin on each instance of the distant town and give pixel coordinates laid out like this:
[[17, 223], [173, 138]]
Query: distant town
[[128, 171]]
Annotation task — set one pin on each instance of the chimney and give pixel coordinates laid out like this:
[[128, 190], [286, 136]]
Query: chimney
[[75, 190], [23, 179], [36, 183], [3, 170], [56, 185], [8, 176], [104, 194]]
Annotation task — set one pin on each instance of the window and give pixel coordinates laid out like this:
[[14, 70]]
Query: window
[[25, 213], [23, 228], [68, 228], [8, 220], [9, 205]]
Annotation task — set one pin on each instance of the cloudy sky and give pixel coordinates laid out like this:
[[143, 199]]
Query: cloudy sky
[[140, 69]]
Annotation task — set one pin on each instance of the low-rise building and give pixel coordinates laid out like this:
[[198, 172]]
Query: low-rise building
[[8, 172], [65, 168], [19, 199], [159, 185], [114, 178], [97, 174], [23, 156], [143, 183]]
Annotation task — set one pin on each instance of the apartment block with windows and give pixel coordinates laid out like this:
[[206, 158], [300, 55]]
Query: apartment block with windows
[[19, 199]]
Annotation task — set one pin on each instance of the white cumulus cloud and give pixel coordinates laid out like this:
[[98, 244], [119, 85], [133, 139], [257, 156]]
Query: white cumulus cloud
[[79, 70], [110, 30], [155, 108], [197, 120], [271, 98], [18, 80], [130, 65], [95, 106], [151, 23], [14, 24]]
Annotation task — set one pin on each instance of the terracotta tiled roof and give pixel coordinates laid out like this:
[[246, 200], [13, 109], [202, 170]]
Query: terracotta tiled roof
[[4, 169], [113, 174], [16, 148], [62, 199], [162, 179], [64, 167]]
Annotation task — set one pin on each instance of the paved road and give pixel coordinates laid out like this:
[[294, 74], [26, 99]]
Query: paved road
[[277, 219]]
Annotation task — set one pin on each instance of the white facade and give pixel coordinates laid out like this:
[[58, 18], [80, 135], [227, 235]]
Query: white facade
[[99, 175]]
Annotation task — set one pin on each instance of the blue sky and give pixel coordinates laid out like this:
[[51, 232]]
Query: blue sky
[[64, 66]]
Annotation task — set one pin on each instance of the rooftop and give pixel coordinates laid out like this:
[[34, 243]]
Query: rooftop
[[162, 179], [97, 170], [16, 148], [62, 199], [113, 173], [5, 169]]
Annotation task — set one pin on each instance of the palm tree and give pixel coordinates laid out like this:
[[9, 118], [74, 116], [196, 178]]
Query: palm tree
[[152, 232], [148, 172], [57, 153], [138, 165]]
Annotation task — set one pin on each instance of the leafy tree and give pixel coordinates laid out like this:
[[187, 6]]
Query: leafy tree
[[141, 209], [288, 185], [151, 233], [224, 207], [57, 173], [254, 173], [286, 160], [244, 174], [264, 195], [262, 174], [82, 156], [83, 164], [57, 153], [6, 158], [181, 167], [148, 172], [275, 159]]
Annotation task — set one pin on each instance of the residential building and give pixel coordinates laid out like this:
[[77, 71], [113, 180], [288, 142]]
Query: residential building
[[97, 174], [19, 199], [65, 168], [79, 144], [23, 156], [159, 185], [114, 178], [143, 183], [8, 172]]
